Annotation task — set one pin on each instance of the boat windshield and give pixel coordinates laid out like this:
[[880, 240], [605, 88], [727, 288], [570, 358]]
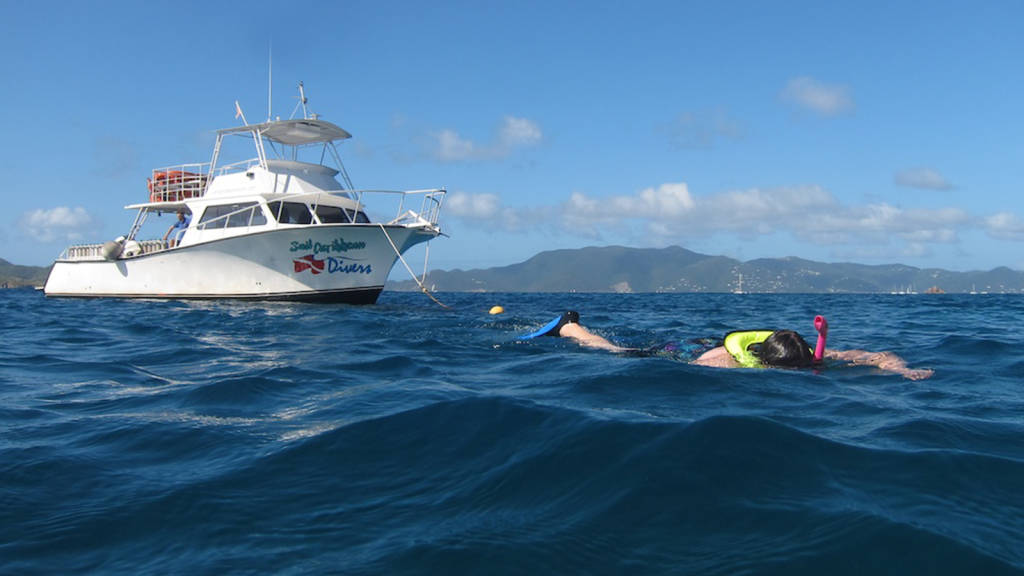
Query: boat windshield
[[233, 215], [338, 215], [290, 212], [299, 213]]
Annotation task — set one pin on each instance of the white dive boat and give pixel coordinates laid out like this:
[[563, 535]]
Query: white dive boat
[[273, 227]]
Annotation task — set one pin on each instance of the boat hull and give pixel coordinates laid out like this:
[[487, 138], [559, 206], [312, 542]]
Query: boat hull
[[344, 263]]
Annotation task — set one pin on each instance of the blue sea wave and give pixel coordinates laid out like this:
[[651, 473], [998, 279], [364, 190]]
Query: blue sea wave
[[403, 438]]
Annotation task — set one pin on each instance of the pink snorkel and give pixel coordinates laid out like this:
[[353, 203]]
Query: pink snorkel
[[821, 325]]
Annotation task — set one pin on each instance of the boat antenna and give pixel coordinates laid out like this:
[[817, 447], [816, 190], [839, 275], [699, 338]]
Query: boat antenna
[[270, 80]]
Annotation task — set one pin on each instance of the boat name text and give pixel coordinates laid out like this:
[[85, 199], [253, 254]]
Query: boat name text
[[337, 245]]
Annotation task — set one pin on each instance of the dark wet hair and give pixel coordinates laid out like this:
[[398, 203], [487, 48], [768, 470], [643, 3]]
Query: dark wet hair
[[785, 348]]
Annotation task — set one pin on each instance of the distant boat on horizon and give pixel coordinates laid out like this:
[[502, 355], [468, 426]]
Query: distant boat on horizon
[[909, 289], [739, 285]]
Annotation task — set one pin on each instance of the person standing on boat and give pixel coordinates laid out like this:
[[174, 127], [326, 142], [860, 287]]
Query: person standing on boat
[[173, 235]]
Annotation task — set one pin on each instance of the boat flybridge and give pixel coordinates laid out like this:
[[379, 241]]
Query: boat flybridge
[[279, 226]]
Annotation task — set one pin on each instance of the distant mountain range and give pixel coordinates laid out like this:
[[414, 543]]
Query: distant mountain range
[[676, 269], [672, 269], [14, 276]]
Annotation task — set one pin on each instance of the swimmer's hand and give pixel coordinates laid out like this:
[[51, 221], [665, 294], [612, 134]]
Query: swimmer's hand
[[917, 374], [883, 360]]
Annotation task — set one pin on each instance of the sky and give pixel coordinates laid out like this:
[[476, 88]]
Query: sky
[[869, 132]]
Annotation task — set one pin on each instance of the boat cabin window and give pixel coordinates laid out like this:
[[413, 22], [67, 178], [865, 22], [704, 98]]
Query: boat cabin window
[[338, 215], [232, 216], [290, 212]]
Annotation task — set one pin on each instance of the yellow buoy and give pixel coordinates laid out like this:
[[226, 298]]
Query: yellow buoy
[[497, 310]]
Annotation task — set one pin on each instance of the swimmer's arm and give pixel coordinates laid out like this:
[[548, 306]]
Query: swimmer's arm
[[716, 358], [883, 360], [587, 338]]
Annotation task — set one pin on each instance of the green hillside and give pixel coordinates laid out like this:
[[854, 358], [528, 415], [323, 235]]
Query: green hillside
[[676, 269], [14, 276]]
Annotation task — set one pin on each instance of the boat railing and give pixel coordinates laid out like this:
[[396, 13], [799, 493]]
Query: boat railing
[[179, 182], [83, 252], [184, 181], [131, 248], [429, 204], [146, 247], [429, 207], [240, 166]]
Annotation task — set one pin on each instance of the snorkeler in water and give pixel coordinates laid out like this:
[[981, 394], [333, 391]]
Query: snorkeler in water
[[743, 349]]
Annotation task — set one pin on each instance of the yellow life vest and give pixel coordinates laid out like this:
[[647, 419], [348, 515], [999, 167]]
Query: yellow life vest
[[736, 344]]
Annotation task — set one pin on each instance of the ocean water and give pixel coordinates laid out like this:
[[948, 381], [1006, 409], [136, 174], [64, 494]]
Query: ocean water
[[171, 437]]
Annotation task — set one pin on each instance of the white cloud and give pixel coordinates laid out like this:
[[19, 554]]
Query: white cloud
[[763, 210], [670, 213], [667, 200], [473, 206], [878, 223], [512, 134], [519, 132], [926, 178], [60, 223], [486, 211], [1004, 226], [823, 99], [587, 216], [453, 148]]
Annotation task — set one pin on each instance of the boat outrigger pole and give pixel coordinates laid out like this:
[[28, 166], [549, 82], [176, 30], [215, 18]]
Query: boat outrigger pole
[[302, 102]]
